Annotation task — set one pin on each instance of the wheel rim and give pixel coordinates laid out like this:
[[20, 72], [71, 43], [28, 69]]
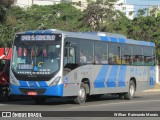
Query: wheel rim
[[131, 90], [82, 94]]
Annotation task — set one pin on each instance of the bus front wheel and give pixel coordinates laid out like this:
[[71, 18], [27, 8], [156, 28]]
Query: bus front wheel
[[131, 92], [4, 93], [82, 96]]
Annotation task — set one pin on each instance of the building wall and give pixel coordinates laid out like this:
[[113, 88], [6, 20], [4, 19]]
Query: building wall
[[46, 2], [80, 4], [27, 3], [23, 3], [155, 9], [128, 10]]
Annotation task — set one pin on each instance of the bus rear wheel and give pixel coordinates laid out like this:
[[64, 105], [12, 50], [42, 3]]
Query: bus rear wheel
[[131, 92], [82, 96]]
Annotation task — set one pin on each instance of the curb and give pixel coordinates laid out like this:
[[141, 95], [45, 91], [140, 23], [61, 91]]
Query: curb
[[152, 90]]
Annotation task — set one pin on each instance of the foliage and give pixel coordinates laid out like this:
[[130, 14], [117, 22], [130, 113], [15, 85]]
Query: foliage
[[4, 6], [60, 16], [99, 16], [147, 29]]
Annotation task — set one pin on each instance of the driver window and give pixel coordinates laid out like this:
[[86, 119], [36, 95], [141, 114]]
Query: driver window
[[72, 55], [69, 55]]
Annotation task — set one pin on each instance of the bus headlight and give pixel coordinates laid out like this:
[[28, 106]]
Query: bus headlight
[[55, 82]]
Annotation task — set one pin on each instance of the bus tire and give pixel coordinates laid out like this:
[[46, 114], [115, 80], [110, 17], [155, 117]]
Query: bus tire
[[39, 100], [131, 92], [82, 96], [4, 94]]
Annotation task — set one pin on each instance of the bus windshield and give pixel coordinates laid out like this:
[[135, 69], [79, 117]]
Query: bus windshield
[[36, 58]]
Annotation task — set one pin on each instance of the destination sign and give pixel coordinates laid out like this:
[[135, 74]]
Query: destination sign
[[37, 37]]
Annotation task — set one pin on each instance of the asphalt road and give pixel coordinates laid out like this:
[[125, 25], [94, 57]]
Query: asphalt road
[[145, 101], [148, 101]]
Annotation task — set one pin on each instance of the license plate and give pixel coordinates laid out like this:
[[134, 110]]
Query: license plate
[[32, 93]]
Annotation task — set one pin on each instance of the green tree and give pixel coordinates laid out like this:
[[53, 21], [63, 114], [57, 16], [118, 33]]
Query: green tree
[[142, 12], [60, 16], [146, 29], [4, 6], [102, 16]]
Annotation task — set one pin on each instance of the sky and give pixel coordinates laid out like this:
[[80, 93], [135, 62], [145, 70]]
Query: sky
[[144, 2], [141, 4]]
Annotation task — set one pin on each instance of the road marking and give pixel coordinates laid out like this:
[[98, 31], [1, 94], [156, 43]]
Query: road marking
[[132, 102]]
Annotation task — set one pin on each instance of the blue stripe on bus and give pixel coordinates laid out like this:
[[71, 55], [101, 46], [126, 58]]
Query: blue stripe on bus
[[48, 32], [111, 81], [152, 76], [32, 84], [113, 39], [14, 90], [99, 82], [54, 90], [121, 40], [152, 44], [23, 83], [42, 84], [104, 38], [122, 76], [143, 43]]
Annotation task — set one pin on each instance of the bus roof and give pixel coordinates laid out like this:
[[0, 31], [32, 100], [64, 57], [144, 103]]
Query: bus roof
[[100, 36]]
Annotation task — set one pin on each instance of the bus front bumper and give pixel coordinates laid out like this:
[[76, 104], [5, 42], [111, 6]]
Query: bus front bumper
[[39, 91]]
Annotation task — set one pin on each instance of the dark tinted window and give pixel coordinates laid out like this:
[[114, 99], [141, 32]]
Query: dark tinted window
[[101, 53], [137, 55], [149, 56], [114, 53], [86, 51], [126, 54]]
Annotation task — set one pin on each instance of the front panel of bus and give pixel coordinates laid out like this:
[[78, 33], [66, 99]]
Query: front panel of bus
[[35, 65]]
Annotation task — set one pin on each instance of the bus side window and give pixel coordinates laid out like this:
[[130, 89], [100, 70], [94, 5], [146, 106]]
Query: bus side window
[[69, 55], [83, 58], [72, 56], [65, 56], [101, 51], [137, 55], [114, 53], [126, 54], [149, 57]]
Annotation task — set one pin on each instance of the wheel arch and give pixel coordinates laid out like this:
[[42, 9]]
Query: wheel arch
[[86, 81], [135, 82]]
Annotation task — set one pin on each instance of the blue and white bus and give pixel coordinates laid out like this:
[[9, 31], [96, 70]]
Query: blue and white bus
[[55, 63]]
